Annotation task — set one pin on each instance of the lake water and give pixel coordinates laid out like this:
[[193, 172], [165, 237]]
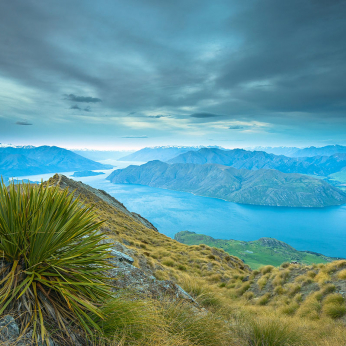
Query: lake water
[[315, 229]]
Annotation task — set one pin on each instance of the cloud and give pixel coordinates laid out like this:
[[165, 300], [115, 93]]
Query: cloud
[[262, 60], [158, 116], [236, 127], [25, 122], [76, 107], [86, 99], [135, 137], [204, 115]]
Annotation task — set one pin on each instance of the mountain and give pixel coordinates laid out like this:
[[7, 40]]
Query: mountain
[[240, 158], [256, 253], [37, 160], [327, 150], [98, 155], [85, 174], [287, 151], [322, 151], [158, 153], [260, 187]]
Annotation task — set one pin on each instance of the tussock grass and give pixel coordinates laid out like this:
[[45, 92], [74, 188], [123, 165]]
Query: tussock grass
[[272, 331], [200, 329], [266, 269], [342, 274]]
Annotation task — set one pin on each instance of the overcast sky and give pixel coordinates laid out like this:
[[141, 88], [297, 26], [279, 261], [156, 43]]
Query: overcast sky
[[135, 73]]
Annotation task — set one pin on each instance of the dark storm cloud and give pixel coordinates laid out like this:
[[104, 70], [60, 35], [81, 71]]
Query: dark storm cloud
[[87, 99], [135, 137], [75, 107], [281, 62], [204, 115], [23, 123]]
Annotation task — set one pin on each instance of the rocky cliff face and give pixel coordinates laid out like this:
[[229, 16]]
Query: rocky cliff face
[[260, 187]]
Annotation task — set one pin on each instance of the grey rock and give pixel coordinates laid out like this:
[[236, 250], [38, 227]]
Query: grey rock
[[120, 256], [9, 330]]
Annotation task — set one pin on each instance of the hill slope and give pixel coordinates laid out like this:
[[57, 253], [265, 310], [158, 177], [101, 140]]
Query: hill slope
[[45, 159], [239, 158], [153, 251], [234, 295], [261, 187], [256, 253]]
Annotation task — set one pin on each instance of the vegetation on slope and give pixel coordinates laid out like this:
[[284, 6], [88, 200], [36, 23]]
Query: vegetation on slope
[[256, 253], [236, 312], [52, 262]]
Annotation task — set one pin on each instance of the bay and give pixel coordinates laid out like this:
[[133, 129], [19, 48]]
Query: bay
[[320, 230]]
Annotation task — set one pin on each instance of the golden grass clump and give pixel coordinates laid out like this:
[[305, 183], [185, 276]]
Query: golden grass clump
[[342, 274], [262, 282], [266, 269], [272, 330], [334, 306]]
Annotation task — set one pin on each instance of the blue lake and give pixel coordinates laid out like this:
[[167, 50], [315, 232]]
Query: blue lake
[[315, 229]]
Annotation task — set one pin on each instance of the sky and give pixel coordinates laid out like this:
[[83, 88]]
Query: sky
[[136, 73]]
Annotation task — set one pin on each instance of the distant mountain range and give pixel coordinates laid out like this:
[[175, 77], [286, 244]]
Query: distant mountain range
[[38, 160], [327, 150], [259, 187], [323, 151], [253, 160], [163, 153], [287, 151], [98, 155]]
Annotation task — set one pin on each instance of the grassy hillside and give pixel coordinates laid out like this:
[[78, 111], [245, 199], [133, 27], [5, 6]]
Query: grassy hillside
[[165, 257], [255, 253], [235, 305]]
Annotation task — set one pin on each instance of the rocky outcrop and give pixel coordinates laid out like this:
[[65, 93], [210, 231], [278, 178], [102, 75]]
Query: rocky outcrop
[[141, 282]]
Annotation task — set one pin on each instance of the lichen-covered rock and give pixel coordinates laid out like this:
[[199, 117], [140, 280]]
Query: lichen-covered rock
[[126, 276], [9, 329]]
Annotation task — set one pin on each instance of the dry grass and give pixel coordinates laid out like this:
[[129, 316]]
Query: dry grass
[[293, 305]]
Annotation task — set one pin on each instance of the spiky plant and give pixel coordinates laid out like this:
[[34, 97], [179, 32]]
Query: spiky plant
[[51, 259]]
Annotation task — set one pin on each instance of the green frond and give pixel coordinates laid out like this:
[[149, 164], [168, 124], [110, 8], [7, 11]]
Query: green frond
[[52, 259]]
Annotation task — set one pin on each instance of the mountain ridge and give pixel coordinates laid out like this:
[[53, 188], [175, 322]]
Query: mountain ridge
[[261, 187], [45, 159], [240, 158], [162, 153]]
